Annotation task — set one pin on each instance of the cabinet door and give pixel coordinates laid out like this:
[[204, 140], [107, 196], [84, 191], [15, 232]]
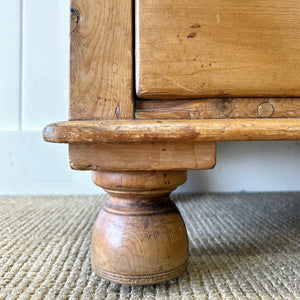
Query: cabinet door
[[217, 48]]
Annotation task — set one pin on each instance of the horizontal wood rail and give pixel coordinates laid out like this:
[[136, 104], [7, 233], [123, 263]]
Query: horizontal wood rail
[[218, 108], [145, 131]]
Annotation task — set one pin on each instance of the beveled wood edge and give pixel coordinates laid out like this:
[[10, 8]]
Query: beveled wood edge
[[146, 131]]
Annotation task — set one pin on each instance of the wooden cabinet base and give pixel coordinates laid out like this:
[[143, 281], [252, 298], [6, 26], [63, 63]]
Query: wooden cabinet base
[[139, 237]]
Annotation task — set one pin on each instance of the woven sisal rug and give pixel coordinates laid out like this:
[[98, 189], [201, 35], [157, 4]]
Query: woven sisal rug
[[242, 246]]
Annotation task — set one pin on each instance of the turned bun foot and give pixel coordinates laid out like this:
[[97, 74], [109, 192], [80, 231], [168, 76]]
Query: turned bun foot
[[139, 237]]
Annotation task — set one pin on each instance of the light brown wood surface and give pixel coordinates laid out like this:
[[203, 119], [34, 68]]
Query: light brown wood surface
[[143, 157], [185, 49], [218, 108], [101, 60], [212, 48], [139, 237], [172, 131]]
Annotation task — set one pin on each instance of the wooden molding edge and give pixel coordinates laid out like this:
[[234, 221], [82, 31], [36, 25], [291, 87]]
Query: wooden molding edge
[[172, 131]]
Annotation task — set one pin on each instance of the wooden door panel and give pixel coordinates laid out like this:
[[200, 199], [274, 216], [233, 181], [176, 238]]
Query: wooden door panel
[[214, 48]]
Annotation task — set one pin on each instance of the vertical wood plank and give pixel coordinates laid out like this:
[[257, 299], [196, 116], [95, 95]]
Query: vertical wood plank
[[101, 60], [10, 64], [45, 62]]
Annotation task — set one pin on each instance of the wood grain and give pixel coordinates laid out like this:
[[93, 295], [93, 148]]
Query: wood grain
[[139, 237], [185, 49], [101, 61], [143, 157], [172, 131], [212, 48], [218, 108]]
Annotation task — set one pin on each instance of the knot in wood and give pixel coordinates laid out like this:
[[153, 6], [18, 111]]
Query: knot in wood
[[75, 19], [265, 110]]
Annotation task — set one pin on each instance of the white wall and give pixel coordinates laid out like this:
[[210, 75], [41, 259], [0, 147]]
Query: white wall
[[34, 56]]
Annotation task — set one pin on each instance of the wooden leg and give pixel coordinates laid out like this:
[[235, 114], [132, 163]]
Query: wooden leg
[[139, 237]]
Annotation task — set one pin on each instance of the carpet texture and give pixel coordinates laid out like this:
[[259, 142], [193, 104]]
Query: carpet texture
[[242, 246]]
